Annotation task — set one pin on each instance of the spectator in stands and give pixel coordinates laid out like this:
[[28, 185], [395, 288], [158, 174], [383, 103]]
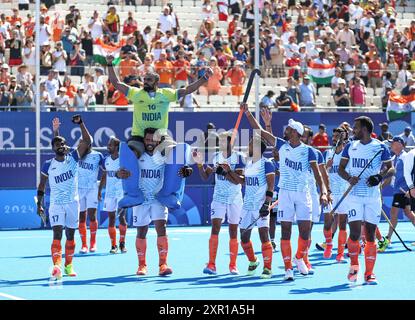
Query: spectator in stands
[[119, 99], [408, 137], [165, 70], [175, 18], [349, 71], [58, 24], [59, 57], [277, 53], [386, 84], [88, 45], [165, 22], [5, 97], [15, 45], [300, 29], [268, 101], [181, 70], [130, 25], [61, 101], [343, 52], [24, 75], [29, 56], [392, 67], [385, 99], [213, 84], [404, 76], [29, 26], [236, 76], [284, 101], [321, 139], [207, 8], [77, 60], [341, 96], [112, 23], [73, 15], [99, 80], [307, 93], [90, 89], [358, 92], [381, 44], [70, 88], [346, 35], [140, 45], [146, 67], [146, 35], [293, 90], [45, 32], [80, 101], [96, 26], [335, 80], [188, 102], [375, 72], [168, 40], [241, 55], [127, 65], [45, 59], [384, 135], [52, 86], [200, 64]]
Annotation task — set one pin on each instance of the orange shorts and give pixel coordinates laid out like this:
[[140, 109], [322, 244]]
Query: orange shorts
[[236, 90]]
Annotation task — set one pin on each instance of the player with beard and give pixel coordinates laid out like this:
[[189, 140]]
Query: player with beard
[[151, 169], [62, 173], [295, 204], [364, 201], [151, 103], [113, 193]]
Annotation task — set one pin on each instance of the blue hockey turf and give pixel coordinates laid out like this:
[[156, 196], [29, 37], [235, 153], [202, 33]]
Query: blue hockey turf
[[25, 262]]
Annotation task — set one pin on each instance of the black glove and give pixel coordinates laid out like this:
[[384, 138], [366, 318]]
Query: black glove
[[220, 171], [264, 211], [77, 119], [185, 171], [374, 180]]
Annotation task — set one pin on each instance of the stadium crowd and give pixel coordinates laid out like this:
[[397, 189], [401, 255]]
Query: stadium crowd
[[362, 41]]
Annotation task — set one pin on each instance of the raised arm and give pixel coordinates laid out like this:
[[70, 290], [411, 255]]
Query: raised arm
[[113, 78], [196, 84], [269, 138], [55, 126], [86, 137]]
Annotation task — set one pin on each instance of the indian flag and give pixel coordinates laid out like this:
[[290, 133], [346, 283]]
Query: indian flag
[[399, 106], [101, 50], [321, 73]]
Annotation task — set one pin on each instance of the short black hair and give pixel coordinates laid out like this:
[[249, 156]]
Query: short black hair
[[365, 122], [149, 131], [310, 131], [57, 139]]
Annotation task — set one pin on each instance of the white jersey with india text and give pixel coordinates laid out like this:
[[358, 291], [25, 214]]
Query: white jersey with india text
[[295, 163], [151, 175], [63, 178], [337, 184], [225, 191], [113, 187], [88, 169], [359, 156], [256, 182]]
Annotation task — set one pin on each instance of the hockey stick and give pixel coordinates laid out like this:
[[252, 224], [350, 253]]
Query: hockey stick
[[244, 100], [351, 186], [390, 224], [259, 217], [42, 215]]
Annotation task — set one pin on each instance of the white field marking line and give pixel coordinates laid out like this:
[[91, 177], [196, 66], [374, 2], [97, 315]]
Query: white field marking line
[[9, 296]]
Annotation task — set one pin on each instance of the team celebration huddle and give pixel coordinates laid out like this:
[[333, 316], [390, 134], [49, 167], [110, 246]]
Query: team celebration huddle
[[296, 184]]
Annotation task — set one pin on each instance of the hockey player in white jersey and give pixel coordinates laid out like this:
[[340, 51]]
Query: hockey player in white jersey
[[364, 201], [113, 193], [259, 186], [62, 173], [296, 158]]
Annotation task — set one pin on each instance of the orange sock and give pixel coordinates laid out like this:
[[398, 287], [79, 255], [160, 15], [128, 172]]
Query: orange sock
[[69, 250], [370, 257], [82, 232], [328, 235], [56, 250], [233, 251], [302, 248], [249, 250], [378, 234], [286, 253], [305, 258], [113, 235], [354, 248], [123, 231], [213, 248], [163, 247], [141, 247], [267, 254], [93, 226], [342, 238]]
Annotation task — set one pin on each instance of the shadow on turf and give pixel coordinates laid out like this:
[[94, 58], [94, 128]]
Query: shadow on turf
[[77, 255], [337, 288]]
